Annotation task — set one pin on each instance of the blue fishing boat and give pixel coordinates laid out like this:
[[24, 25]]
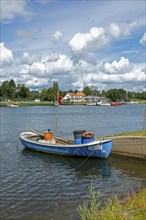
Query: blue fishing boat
[[61, 146]]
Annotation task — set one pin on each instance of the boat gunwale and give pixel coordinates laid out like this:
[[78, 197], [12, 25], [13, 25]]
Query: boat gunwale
[[25, 136]]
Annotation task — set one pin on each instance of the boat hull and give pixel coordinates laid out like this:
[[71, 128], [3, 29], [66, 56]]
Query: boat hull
[[115, 104], [99, 149]]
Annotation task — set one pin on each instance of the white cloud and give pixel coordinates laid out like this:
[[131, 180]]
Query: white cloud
[[34, 82], [49, 68], [128, 27], [90, 42], [24, 70], [51, 57], [122, 66], [123, 29], [11, 9], [6, 55], [135, 75], [86, 45], [117, 74], [115, 30], [143, 39], [57, 35], [55, 66], [27, 59]]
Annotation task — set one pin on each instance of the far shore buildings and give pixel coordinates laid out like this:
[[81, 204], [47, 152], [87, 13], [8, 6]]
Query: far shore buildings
[[37, 100], [80, 97], [69, 96]]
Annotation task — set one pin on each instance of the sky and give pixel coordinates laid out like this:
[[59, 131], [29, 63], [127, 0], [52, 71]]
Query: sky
[[76, 43]]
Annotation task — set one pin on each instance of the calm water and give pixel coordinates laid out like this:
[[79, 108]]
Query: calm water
[[37, 186]]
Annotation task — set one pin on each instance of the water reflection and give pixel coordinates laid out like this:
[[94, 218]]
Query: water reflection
[[79, 167], [120, 170], [129, 167]]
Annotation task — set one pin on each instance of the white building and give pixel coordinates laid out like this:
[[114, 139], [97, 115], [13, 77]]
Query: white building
[[37, 100], [69, 96], [79, 97]]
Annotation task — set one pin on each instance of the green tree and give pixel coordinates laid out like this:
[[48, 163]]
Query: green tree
[[75, 91], [129, 95], [55, 90], [87, 91], [12, 89], [122, 95], [114, 94], [23, 92], [5, 89], [8, 89], [103, 93], [35, 94], [44, 95], [1, 94], [51, 94], [143, 95]]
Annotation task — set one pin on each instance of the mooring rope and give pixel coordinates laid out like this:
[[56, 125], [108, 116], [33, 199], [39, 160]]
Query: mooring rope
[[9, 142], [82, 162]]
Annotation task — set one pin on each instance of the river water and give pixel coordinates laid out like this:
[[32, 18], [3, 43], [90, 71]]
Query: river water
[[37, 186]]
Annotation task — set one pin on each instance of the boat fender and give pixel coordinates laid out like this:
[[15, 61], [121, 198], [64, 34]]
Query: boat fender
[[88, 134]]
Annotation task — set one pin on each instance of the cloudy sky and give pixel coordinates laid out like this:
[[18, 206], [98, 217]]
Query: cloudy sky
[[77, 43]]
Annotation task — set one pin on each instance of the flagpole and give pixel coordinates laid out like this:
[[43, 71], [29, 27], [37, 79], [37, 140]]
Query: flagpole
[[59, 102], [144, 120], [57, 112], [57, 120]]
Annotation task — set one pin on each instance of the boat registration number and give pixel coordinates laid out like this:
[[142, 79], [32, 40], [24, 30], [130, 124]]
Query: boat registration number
[[95, 147]]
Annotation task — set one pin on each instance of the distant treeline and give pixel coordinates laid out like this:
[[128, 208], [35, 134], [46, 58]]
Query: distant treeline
[[10, 91]]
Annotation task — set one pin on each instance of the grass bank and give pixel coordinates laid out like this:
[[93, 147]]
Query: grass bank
[[133, 133], [35, 103], [27, 103], [132, 207]]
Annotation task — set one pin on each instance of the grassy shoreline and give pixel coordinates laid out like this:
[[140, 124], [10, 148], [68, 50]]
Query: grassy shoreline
[[41, 103], [133, 133], [130, 133], [26, 103], [132, 207]]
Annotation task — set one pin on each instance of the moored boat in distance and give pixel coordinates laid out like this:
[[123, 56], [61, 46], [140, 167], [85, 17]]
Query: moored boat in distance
[[115, 104], [91, 104], [106, 103], [12, 105], [61, 146], [103, 103]]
